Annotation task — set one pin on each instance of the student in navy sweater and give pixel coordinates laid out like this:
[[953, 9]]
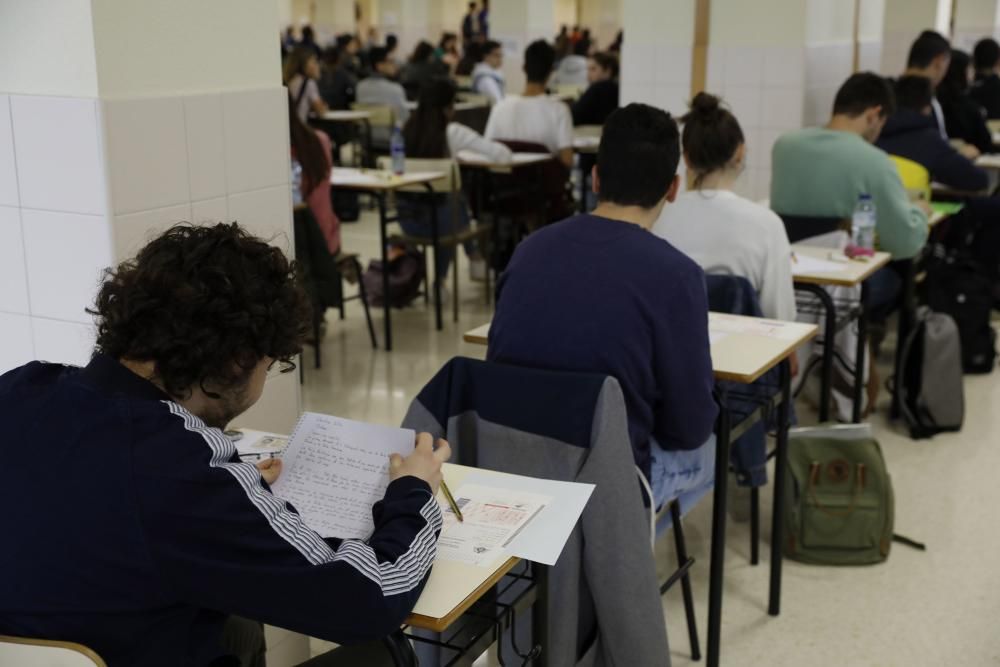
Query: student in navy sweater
[[138, 532], [601, 293]]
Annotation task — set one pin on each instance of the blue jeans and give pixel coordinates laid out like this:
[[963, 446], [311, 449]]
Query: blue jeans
[[686, 475], [413, 218], [884, 289]]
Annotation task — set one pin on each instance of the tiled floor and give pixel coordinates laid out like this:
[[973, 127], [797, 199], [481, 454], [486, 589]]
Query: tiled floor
[[939, 607]]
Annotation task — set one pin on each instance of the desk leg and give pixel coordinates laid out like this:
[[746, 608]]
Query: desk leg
[[436, 283], [386, 307], [905, 324], [369, 158], [777, 514], [860, 358], [718, 556]]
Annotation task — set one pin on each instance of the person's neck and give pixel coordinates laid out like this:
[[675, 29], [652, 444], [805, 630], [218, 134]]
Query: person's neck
[[636, 215], [533, 89], [842, 123], [721, 179], [195, 401]]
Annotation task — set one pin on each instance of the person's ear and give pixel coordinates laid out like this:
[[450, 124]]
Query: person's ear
[[595, 181], [675, 186]]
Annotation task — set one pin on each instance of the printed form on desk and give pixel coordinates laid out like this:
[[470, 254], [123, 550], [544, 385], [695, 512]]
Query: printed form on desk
[[335, 469]]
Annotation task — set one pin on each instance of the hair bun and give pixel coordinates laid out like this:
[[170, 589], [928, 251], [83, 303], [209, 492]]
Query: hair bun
[[705, 103]]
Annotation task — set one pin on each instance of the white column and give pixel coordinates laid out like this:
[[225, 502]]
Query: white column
[[904, 20], [871, 27], [603, 17], [974, 20], [656, 54], [332, 18], [515, 24], [103, 144]]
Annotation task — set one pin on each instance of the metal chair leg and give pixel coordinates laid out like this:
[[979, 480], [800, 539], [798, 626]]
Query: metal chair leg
[[364, 303], [682, 559], [754, 525]]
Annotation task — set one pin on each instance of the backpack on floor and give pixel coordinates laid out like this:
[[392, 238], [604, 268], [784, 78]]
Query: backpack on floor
[[839, 504], [929, 377], [961, 289], [407, 269]]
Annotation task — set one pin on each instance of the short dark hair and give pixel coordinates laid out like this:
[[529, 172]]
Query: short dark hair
[[861, 92], [391, 42], [607, 61], [928, 46], [711, 135], [539, 59], [582, 47], [638, 156], [986, 54], [378, 54], [914, 92], [488, 47], [205, 305]]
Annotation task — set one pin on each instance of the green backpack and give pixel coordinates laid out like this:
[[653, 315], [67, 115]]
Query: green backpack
[[838, 501]]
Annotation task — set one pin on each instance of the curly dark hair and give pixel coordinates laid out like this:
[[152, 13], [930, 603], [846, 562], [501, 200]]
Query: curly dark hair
[[205, 304]]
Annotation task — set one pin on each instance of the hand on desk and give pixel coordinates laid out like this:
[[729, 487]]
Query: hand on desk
[[925, 206], [969, 151], [424, 463], [269, 470]]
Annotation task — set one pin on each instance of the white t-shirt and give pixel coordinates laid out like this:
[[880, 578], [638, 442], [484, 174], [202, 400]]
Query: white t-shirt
[[464, 138], [539, 119], [308, 97], [728, 234]]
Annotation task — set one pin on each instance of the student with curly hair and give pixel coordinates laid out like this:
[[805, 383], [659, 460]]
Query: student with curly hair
[[137, 530]]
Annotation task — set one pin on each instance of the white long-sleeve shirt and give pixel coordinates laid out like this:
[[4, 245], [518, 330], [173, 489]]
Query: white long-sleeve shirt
[[728, 234], [488, 81], [464, 138]]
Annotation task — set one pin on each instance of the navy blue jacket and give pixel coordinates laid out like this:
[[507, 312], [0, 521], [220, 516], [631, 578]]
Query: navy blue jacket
[[134, 529], [595, 295], [912, 135]]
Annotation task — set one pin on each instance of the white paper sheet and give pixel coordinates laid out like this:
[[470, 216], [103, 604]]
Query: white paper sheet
[[336, 469], [542, 539], [716, 337], [720, 325], [806, 265], [257, 445], [493, 517]]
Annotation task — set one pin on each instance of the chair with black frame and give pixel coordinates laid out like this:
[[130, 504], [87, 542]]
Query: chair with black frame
[[323, 275]]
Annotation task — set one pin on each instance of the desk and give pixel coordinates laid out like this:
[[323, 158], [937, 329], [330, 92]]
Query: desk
[[988, 161], [853, 273], [471, 159], [744, 349], [458, 106], [378, 184], [347, 116]]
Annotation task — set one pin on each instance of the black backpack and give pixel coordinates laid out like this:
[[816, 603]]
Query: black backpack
[[959, 287], [406, 274]]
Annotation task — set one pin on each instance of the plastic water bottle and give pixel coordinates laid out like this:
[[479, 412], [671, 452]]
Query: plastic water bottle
[[296, 182], [863, 223], [397, 149]]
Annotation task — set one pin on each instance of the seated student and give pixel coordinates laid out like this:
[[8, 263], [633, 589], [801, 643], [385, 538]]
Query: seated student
[[964, 118], [601, 97], [336, 83], [487, 77], [300, 75], [717, 228], [930, 55], [986, 89], [421, 67], [447, 50], [534, 116], [911, 133], [380, 89], [472, 55], [311, 149], [572, 68], [821, 171], [430, 133], [139, 530], [599, 293]]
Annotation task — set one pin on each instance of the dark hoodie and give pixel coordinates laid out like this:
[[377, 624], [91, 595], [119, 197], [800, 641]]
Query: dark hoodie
[[914, 136]]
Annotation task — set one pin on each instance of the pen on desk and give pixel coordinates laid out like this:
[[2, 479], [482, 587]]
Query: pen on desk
[[451, 501]]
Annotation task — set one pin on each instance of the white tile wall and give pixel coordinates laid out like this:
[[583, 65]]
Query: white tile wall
[[209, 211], [134, 230], [60, 165], [65, 253], [206, 146], [8, 172], [63, 342], [18, 343], [263, 212], [13, 278], [147, 153], [257, 156]]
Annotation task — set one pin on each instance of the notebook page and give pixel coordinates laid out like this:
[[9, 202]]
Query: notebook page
[[335, 469]]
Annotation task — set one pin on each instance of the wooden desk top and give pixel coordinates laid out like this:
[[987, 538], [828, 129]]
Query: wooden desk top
[[454, 587], [586, 144], [743, 348], [344, 115], [471, 159], [458, 106], [349, 178], [988, 161], [854, 271]]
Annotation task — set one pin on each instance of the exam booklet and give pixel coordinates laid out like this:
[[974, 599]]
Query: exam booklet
[[335, 469]]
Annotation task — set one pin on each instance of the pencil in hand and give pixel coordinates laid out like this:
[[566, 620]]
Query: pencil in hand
[[451, 501]]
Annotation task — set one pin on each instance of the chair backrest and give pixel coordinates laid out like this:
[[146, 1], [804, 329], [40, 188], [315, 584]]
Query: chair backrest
[[801, 227], [732, 294], [382, 114], [915, 176], [25, 652], [449, 183], [570, 90], [588, 130], [321, 277], [476, 98], [551, 177]]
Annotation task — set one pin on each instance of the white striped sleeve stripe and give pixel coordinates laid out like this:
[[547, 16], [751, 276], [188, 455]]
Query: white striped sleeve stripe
[[401, 576]]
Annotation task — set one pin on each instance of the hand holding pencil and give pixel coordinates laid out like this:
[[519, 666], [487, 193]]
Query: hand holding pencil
[[424, 463]]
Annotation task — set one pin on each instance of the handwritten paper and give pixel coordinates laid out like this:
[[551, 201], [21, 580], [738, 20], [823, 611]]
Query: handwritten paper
[[804, 265], [336, 469], [720, 325], [493, 517]]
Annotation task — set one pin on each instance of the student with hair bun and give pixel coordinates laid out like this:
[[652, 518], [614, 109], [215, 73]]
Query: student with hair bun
[[716, 227]]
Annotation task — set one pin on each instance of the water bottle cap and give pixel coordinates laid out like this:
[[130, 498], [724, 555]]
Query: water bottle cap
[[865, 196]]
